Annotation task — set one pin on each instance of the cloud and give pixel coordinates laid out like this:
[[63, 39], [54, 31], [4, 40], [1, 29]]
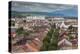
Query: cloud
[[38, 7]]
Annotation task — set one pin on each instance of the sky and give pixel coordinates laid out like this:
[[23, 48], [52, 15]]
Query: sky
[[53, 9]]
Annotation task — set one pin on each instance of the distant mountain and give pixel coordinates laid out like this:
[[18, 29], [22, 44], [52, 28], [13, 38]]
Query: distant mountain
[[68, 13], [57, 13]]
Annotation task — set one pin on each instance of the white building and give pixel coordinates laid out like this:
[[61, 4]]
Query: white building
[[63, 26], [35, 17], [65, 44], [56, 19]]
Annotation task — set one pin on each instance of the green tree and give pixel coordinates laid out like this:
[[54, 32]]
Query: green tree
[[20, 31], [51, 40]]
